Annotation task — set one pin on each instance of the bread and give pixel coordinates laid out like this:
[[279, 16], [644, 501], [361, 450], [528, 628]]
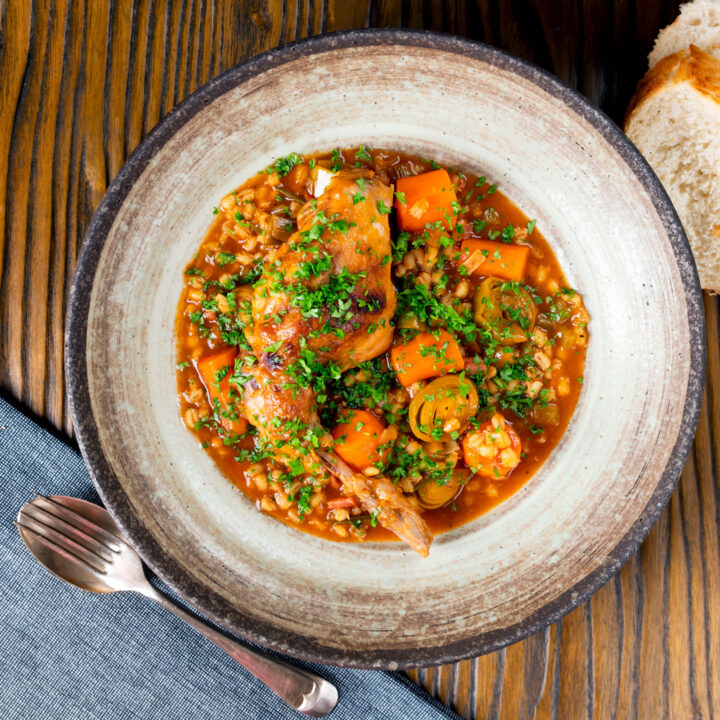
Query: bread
[[674, 120], [698, 24]]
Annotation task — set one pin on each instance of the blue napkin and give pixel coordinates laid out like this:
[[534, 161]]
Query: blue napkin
[[66, 653]]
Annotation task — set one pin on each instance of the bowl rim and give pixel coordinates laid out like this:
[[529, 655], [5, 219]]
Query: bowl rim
[[113, 496]]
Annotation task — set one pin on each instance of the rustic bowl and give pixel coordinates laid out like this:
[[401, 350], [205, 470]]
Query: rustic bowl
[[509, 572]]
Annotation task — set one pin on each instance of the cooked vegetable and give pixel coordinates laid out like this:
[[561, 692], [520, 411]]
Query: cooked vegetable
[[356, 520], [426, 355], [432, 494], [423, 199], [400, 343], [506, 309], [339, 503], [284, 193], [280, 227], [546, 415], [320, 178], [215, 372], [443, 408], [493, 450], [484, 257], [357, 438]]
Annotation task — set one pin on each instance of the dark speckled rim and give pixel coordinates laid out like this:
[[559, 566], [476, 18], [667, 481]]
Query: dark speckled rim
[[112, 494]]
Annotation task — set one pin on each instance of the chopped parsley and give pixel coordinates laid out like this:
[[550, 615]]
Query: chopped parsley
[[417, 300], [400, 246], [336, 161], [363, 154], [223, 258], [282, 166]]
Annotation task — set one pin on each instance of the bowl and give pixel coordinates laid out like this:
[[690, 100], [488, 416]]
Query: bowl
[[511, 571]]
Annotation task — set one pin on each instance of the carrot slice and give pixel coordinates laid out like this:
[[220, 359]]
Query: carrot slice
[[358, 437], [424, 199], [208, 369], [484, 257], [344, 502], [426, 355]]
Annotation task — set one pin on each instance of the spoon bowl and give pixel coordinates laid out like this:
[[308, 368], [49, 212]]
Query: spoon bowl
[[34, 523]]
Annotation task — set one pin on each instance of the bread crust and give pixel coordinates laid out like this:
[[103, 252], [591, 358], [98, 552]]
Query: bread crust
[[692, 65]]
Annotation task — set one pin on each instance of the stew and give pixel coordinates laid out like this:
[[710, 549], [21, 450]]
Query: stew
[[373, 346]]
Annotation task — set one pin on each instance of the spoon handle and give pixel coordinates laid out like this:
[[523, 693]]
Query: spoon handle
[[301, 690]]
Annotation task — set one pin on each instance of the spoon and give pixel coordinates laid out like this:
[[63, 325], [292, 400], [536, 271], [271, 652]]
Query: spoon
[[81, 544]]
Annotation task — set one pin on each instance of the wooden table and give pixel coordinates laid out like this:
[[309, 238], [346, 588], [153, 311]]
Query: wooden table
[[81, 84]]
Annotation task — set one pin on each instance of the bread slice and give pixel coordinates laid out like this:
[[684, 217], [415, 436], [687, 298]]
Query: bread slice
[[674, 120], [697, 24]]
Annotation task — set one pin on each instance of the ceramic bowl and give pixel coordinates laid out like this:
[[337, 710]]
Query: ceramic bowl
[[509, 572]]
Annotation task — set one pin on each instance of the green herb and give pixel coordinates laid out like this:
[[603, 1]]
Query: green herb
[[223, 258], [336, 162], [335, 296], [363, 154], [313, 267], [400, 246], [508, 233], [284, 165], [274, 347], [416, 299], [303, 500]]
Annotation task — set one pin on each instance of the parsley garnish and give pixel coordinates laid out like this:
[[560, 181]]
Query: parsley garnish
[[223, 258], [400, 246], [336, 162], [283, 166], [363, 154]]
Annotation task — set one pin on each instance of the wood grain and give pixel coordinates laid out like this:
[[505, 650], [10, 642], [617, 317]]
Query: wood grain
[[83, 81]]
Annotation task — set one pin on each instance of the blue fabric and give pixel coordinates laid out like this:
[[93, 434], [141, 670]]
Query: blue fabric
[[66, 653]]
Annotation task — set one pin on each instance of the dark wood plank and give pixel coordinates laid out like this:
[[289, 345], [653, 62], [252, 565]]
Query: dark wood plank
[[83, 81]]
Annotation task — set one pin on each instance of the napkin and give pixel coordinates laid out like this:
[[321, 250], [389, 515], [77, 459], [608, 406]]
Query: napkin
[[66, 653]]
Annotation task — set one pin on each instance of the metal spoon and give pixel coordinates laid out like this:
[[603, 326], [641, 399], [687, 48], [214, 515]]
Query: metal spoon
[[81, 544]]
